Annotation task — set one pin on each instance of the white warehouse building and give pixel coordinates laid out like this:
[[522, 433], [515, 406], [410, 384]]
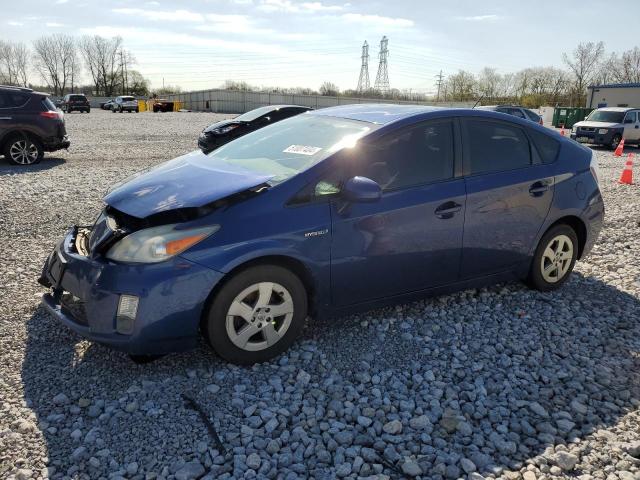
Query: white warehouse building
[[613, 95]]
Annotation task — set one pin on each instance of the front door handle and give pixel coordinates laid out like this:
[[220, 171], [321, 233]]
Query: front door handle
[[538, 189], [447, 210]]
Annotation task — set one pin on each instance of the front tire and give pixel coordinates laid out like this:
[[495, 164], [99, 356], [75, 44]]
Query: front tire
[[256, 315], [554, 259], [23, 150], [615, 141]]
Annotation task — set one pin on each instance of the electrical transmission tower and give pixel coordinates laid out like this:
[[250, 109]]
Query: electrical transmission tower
[[440, 78], [382, 78], [363, 81]]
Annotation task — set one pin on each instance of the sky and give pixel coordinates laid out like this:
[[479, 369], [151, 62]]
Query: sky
[[198, 44]]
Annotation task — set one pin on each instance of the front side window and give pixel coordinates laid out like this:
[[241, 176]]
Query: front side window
[[417, 156], [630, 118], [494, 147]]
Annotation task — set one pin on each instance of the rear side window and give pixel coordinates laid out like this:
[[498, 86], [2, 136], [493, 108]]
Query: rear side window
[[13, 99], [532, 115], [420, 155], [48, 104], [547, 147], [494, 147]]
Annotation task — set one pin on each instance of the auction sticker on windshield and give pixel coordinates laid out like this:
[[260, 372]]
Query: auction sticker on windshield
[[302, 149]]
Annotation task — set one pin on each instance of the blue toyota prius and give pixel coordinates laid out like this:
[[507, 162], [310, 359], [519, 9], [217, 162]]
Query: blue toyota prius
[[328, 212]]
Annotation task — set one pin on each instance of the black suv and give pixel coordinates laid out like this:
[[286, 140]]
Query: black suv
[[75, 101], [29, 125]]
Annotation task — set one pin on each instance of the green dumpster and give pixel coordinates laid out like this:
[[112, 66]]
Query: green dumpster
[[568, 116]]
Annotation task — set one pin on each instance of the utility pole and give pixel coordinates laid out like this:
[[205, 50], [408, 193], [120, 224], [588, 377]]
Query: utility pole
[[440, 78], [123, 70], [363, 81], [382, 78]]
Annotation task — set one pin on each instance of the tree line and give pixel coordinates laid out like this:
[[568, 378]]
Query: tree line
[[60, 60]]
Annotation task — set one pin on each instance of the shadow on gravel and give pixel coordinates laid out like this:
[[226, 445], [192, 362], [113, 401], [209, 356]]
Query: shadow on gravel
[[45, 164], [494, 375]]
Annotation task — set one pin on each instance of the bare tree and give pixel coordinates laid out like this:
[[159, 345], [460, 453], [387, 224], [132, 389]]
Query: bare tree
[[461, 86], [583, 63], [329, 89], [14, 63], [102, 58], [56, 60], [489, 82]]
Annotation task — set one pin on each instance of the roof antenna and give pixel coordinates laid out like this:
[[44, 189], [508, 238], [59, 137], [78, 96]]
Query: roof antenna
[[476, 104]]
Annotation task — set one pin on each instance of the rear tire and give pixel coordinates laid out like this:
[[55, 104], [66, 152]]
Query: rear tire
[[256, 315], [554, 259], [23, 150]]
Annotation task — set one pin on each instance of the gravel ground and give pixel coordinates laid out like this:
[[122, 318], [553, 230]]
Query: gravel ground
[[497, 383]]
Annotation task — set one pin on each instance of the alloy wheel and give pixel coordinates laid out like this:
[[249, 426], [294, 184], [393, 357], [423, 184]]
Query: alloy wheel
[[259, 316], [556, 258], [23, 152]]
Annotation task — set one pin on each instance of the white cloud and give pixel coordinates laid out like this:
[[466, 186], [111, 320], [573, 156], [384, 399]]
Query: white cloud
[[13, 23], [480, 18], [54, 24], [60, 2], [294, 7], [377, 20], [159, 15]]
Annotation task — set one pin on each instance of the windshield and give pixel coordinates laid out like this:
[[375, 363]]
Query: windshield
[[253, 114], [291, 146], [606, 116]]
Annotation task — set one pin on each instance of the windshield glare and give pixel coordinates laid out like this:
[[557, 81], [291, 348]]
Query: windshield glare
[[253, 114], [606, 116], [291, 146]]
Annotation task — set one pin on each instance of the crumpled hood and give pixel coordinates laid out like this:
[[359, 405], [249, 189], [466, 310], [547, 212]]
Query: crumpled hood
[[193, 180], [587, 123]]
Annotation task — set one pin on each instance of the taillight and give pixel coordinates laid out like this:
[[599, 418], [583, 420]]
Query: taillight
[[51, 114]]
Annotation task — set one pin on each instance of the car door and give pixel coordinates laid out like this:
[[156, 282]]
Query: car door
[[411, 238], [631, 127], [509, 193]]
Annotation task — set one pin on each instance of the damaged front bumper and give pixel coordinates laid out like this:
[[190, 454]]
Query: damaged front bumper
[[87, 295]]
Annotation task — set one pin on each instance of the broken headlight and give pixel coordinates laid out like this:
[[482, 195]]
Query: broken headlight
[[157, 244]]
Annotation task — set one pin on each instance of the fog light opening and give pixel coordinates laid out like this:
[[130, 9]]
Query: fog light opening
[[126, 316]]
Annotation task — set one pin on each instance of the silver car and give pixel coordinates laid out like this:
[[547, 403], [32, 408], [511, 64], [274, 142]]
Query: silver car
[[608, 126], [125, 103]]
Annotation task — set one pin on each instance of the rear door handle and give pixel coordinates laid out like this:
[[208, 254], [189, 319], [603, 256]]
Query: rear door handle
[[447, 210], [538, 189]]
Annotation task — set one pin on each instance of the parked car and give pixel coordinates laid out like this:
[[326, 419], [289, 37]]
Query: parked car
[[334, 211], [162, 105], [222, 132], [608, 126], [75, 102], [125, 103], [107, 105], [516, 111], [30, 125]]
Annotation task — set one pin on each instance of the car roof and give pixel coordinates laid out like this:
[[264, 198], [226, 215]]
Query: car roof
[[14, 88], [278, 107], [617, 109], [376, 113]]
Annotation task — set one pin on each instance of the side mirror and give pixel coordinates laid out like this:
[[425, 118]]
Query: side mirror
[[362, 190]]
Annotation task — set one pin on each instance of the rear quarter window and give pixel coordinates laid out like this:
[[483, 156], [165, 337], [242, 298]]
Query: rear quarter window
[[13, 99], [546, 146]]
